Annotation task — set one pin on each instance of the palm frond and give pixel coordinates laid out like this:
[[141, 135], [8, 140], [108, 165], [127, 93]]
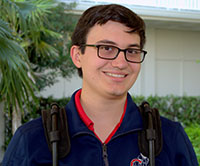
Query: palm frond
[[46, 49], [25, 29], [51, 33], [15, 84], [5, 31], [38, 16], [12, 13]]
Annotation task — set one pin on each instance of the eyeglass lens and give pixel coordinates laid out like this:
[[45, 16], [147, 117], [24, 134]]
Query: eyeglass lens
[[111, 52]]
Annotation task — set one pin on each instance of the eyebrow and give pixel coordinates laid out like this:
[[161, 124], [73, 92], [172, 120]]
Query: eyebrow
[[106, 42], [113, 43]]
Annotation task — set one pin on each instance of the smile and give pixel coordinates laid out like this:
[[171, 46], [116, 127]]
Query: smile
[[116, 75]]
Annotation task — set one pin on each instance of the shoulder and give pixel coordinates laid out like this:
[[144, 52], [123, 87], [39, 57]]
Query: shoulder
[[28, 134], [25, 143], [171, 129], [31, 135], [177, 143], [167, 123], [31, 127]]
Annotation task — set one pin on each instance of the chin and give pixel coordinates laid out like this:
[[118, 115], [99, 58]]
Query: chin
[[118, 93]]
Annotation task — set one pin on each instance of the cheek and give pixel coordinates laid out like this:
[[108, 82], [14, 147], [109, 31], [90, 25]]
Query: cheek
[[94, 64], [135, 72], [91, 65], [136, 68]]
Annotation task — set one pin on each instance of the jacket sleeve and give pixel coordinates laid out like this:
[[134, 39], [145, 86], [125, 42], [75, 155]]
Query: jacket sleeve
[[185, 154], [16, 153]]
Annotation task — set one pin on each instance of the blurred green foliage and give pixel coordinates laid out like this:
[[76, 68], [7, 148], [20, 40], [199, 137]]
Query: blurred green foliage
[[62, 21], [185, 109], [193, 132]]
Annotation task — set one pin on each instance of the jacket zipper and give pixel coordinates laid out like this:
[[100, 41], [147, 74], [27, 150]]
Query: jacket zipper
[[105, 155]]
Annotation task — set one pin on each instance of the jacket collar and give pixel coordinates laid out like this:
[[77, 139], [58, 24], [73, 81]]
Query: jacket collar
[[131, 121]]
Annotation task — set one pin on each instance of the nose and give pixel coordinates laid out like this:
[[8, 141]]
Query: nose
[[120, 61]]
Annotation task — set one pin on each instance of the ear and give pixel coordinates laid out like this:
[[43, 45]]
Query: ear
[[75, 54]]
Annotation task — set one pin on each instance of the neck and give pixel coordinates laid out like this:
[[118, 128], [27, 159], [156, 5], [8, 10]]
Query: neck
[[104, 112], [100, 105]]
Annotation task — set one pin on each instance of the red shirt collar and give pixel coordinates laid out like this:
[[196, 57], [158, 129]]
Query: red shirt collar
[[88, 122], [81, 112]]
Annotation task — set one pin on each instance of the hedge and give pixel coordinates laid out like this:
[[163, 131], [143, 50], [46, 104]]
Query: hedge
[[183, 109], [193, 132]]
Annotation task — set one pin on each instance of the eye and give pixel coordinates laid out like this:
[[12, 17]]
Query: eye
[[133, 51], [106, 48]]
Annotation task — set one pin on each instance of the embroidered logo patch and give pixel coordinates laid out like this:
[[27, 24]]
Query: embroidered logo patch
[[140, 161]]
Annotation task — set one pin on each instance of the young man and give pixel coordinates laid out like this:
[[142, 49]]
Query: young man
[[107, 49]]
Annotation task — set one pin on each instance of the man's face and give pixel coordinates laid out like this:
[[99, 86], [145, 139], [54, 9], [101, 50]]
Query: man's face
[[109, 78]]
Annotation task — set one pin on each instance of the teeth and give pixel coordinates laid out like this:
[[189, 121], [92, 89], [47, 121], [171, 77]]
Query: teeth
[[116, 75]]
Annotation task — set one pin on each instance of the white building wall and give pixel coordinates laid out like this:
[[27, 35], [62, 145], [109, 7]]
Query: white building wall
[[149, 65], [64, 87], [177, 62], [171, 66]]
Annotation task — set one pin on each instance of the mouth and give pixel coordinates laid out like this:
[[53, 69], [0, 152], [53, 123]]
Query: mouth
[[116, 75]]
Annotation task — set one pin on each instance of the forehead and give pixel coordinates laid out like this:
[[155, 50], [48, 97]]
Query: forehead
[[112, 31]]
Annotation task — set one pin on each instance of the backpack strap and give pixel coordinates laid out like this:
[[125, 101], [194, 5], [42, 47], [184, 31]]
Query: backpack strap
[[56, 130], [151, 121], [152, 131]]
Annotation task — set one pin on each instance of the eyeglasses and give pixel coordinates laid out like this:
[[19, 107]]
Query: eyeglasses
[[110, 52]]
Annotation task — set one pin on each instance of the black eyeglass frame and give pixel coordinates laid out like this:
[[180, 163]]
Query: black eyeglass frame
[[119, 50]]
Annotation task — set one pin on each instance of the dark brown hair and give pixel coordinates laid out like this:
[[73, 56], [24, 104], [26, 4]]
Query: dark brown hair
[[101, 14]]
